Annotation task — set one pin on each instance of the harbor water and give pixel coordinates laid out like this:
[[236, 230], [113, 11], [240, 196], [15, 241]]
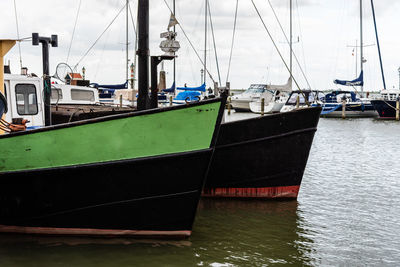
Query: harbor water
[[347, 214]]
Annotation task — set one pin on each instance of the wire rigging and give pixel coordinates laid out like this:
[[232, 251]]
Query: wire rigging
[[215, 46], [233, 40], [101, 35], [287, 40], [279, 53], [19, 43], [190, 43], [73, 31]]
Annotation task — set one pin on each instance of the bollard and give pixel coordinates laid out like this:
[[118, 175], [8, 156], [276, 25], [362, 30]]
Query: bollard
[[229, 105], [120, 101], [343, 109], [262, 106], [397, 109], [298, 101], [170, 100]]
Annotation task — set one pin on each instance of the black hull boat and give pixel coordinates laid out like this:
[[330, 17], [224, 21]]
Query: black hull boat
[[79, 179], [136, 198], [385, 108], [264, 157]]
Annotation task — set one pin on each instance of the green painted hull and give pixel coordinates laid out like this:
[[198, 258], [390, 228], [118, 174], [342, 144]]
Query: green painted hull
[[115, 138]]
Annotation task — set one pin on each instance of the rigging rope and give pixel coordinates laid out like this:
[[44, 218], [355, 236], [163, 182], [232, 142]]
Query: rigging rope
[[73, 31], [233, 40], [287, 40], [279, 53], [190, 43], [101, 35], [19, 43], [215, 46]]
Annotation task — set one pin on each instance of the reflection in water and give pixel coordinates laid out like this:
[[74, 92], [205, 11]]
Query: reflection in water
[[235, 232], [253, 231]]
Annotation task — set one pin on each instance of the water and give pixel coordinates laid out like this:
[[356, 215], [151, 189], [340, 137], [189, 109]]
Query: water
[[347, 214]]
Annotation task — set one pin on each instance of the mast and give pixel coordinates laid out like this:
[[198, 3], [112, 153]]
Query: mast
[[143, 54], [291, 41], [379, 47], [127, 43], [361, 46], [174, 84], [205, 42]]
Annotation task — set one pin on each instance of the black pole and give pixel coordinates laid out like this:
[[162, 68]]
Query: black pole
[[143, 101], [45, 41], [154, 81], [155, 60]]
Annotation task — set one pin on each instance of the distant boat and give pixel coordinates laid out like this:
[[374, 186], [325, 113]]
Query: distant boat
[[355, 107], [297, 98], [274, 98], [386, 104], [241, 102]]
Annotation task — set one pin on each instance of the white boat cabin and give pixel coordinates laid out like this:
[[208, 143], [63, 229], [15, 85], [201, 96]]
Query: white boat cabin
[[390, 95], [25, 98]]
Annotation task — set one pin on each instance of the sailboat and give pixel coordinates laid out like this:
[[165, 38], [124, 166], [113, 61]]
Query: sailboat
[[77, 179], [353, 102]]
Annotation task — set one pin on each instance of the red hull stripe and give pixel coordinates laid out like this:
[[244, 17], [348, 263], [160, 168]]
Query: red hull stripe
[[90, 232], [264, 192]]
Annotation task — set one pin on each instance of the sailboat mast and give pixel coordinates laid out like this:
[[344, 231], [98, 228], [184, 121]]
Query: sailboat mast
[[127, 43], [174, 84], [205, 42], [361, 45], [291, 40]]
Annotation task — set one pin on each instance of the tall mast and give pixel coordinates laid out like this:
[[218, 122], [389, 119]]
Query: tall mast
[[174, 84], [361, 45], [127, 41], [379, 47], [205, 42], [291, 41]]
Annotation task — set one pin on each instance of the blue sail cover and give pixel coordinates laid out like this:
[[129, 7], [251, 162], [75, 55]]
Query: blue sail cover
[[170, 90], [201, 88], [188, 95], [357, 82], [111, 86]]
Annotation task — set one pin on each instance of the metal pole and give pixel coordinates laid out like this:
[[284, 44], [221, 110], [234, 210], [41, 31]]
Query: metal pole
[[127, 43], [174, 84], [291, 41], [361, 44], [262, 106], [205, 42], [143, 54]]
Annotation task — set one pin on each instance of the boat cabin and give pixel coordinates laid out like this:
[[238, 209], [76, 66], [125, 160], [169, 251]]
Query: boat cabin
[[310, 95], [74, 95], [338, 96], [24, 95]]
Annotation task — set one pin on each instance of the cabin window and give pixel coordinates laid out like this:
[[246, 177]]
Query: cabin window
[[56, 94], [26, 99], [83, 95]]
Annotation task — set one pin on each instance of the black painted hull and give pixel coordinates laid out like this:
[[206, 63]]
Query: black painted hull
[[386, 109], [263, 157], [155, 196]]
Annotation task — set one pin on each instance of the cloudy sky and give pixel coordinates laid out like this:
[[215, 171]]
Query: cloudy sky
[[323, 31]]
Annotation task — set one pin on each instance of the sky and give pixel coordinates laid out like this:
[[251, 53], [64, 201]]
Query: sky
[[323, 33]]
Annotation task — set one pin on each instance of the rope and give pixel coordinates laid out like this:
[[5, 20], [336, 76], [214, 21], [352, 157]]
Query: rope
[[19, 43], [190, 43], [215, 46], [73, 31], [279, 53], [233, 40], [287, 40], [101, 35]]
